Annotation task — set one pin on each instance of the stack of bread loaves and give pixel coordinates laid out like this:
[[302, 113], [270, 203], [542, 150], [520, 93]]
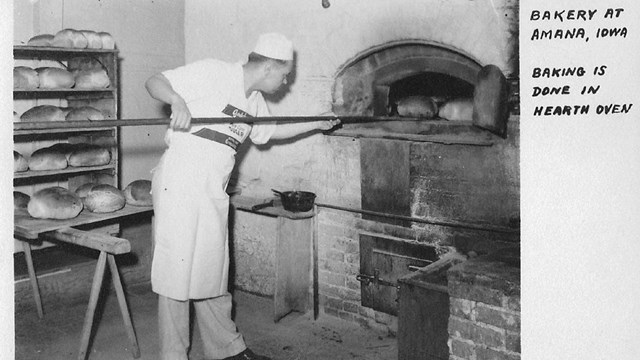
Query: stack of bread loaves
[[44, 113], [61, 155], [26, 78], [78, 39], [59, 203]]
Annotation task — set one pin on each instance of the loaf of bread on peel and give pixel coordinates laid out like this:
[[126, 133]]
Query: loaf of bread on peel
[[47, 158], [43, 113], [41, 40], [84, 113], [20, 200], [54, 203], [20, 164], [89, 155], [138, 193], [25, 78], [457, 110], [69, 38], [55, 78], [104, 198], [417, 106]]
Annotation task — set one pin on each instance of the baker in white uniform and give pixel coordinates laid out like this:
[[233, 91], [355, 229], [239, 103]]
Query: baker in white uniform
[[191, 250]]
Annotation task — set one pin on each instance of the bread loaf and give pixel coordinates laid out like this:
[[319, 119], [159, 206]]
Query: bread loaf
[[107, 40], [84, 113], [104, 198], [457, 110], [94, 41], [138, 193], [69, 38], [83, 63], [91, 79], [64, 148], [25, 78], [89, 155], [417, 106], [20, 164], [49, 158], [43, 113], [41, 40], [54, 203], [55, 78], [20, 200], [84, 189]]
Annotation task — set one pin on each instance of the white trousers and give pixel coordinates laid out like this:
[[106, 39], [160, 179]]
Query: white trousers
[[218, 332]]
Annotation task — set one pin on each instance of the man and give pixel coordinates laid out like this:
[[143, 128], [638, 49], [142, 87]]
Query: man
[[191, 252]]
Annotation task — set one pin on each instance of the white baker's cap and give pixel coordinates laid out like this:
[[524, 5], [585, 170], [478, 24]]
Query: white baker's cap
[[275, 46]]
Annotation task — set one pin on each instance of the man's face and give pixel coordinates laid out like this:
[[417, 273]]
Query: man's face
[[276, 77]]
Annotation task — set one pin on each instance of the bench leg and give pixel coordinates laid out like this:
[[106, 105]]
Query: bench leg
[[93, 302], [126, 317], [32, 276]]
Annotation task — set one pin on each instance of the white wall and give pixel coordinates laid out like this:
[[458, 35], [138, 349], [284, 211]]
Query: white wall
[[150, 37]]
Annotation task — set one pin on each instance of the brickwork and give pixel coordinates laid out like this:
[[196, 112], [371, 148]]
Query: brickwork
[[339, 263], [484, 320]]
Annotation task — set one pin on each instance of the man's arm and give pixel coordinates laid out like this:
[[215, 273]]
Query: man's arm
[[284, 131], [160, 88]]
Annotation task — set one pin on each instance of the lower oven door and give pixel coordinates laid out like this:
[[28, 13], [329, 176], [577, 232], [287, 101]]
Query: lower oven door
[[382, 262]]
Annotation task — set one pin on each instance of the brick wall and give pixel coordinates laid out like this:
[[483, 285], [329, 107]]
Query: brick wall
[[339, 263], [484, 321]]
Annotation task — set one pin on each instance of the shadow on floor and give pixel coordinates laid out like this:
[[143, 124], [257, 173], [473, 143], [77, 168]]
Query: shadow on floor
[[297, 336]]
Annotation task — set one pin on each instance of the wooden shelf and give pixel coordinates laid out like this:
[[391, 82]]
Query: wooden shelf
[[68, 170], [56, 91], [29, 227], [38, 51], [18, 131]]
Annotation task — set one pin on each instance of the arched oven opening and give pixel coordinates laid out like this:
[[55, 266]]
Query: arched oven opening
[[377, 78]]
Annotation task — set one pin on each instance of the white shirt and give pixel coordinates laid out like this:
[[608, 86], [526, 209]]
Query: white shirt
[[208, 86]]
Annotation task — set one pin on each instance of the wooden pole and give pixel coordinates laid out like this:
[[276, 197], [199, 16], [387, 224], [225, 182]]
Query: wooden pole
[[431, 221], [213, 120]]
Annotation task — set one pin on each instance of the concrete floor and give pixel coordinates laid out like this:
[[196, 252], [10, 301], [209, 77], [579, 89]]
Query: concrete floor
[[296, 336]]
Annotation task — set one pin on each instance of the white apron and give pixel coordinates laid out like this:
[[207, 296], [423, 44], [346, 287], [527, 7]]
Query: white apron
[[191, 251]]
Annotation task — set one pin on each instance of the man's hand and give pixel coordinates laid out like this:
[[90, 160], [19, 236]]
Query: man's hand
[[328, 124], [180, 114]]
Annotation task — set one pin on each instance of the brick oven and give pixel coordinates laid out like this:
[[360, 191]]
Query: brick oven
[[392, 196], [462, 183], [455, 195]]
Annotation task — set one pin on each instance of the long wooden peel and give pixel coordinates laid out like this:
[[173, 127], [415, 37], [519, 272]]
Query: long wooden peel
[[202, 121]]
